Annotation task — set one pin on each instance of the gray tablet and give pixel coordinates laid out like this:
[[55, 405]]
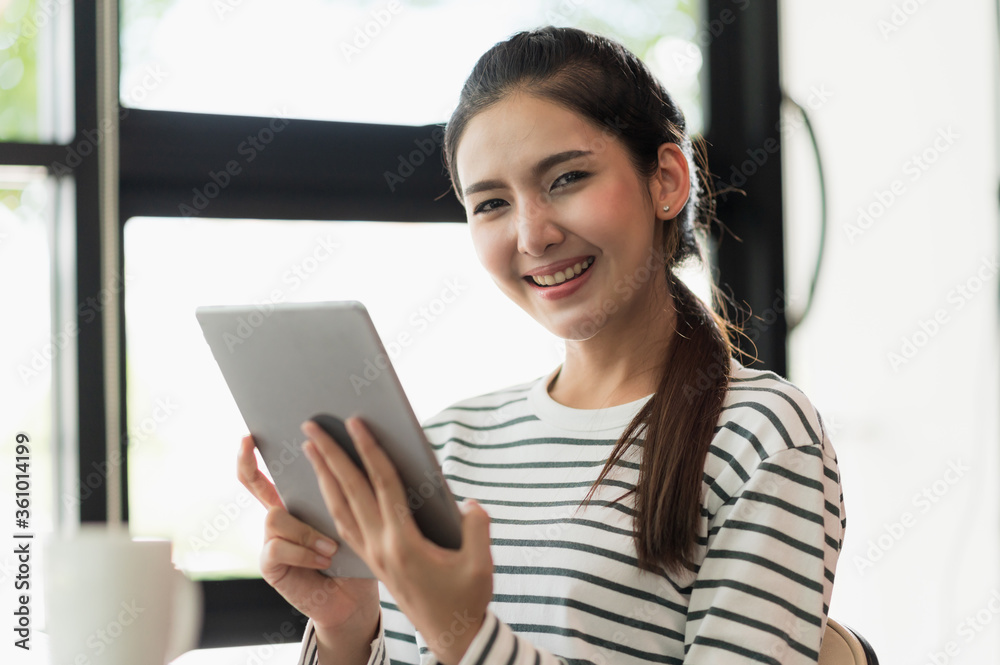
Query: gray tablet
[[291, 362]]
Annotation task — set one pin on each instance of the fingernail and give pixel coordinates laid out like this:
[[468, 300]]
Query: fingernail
[[327, 547], [323, 561]]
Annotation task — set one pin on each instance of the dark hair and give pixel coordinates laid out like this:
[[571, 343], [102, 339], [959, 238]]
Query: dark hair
[[605, 83]]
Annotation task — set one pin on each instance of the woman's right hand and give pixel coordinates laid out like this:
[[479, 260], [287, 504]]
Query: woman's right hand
[[293, 555]]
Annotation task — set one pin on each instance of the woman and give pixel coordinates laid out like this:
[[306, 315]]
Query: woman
[[650, 500]]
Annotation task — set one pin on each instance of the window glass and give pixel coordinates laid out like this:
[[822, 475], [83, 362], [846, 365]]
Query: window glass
[[35, 71], [457, 335], [422, 280], [376, 61], [30, 346]]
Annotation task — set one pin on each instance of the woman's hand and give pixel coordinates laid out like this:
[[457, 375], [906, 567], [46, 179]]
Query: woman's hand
[[293, 555], [443, 592]]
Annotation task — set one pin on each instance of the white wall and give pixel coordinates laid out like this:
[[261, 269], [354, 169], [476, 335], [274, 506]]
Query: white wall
[[916, 432]]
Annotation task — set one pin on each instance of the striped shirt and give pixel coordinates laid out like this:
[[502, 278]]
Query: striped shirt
[[567, 587]]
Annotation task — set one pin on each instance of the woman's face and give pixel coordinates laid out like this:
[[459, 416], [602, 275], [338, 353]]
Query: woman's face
[[545, 192]]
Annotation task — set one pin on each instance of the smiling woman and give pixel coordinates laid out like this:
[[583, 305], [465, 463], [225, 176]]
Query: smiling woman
[[571, 186], [649, 499]]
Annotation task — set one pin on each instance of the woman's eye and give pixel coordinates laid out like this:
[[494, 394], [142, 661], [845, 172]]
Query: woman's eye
[[569, 178], [488, 206]]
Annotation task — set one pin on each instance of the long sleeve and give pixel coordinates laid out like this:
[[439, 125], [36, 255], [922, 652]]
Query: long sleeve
[[763, 591], [309, 656], [497, 644], [396, 639]]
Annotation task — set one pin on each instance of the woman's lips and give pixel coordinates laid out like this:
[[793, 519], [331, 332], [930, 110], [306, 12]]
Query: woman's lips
[[563, 290]]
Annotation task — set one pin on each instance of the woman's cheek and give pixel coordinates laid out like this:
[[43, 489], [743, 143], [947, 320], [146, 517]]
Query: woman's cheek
[[612, 201], [489, 242]]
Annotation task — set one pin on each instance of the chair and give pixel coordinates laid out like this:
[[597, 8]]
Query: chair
[[843, 646]]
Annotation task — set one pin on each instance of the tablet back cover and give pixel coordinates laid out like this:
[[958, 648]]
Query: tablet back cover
[[293, 361]]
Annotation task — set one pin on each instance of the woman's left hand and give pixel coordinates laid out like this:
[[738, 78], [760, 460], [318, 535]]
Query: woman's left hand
[[443, 592]]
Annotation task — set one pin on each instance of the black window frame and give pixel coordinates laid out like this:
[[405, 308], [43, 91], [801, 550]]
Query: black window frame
[[338, 171]]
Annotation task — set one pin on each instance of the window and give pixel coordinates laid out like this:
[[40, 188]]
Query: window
[[35, 65], [38, 337], [187, 70], [189, 55], [449, 331]]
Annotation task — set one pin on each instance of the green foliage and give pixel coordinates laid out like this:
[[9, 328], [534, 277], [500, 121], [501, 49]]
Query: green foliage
[[11, 198], [20, 24]]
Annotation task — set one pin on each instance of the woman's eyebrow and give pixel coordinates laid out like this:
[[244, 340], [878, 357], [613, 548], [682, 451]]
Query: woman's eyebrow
[[539, 168]]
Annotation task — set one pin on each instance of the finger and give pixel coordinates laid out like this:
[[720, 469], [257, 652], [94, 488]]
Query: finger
[[475, 529], [251, 476], [282, 524], [354, 487], [278, 552], [336, 503], [384, 478]]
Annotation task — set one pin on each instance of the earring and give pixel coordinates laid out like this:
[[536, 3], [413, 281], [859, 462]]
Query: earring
[[666, 208]]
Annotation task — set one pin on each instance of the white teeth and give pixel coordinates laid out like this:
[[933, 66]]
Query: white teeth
[[563, 275]]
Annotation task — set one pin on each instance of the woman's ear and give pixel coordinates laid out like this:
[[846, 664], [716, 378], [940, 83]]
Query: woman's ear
[[670, 186]]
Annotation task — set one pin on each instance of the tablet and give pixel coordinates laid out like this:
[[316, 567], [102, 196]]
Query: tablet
[[291, 362]]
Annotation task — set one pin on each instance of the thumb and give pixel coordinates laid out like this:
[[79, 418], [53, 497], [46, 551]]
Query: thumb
[[475, 526]]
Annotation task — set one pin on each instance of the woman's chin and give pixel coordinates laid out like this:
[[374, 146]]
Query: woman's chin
[[575, 329]]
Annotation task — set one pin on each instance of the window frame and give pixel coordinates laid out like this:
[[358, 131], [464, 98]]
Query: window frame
[[337, 171]]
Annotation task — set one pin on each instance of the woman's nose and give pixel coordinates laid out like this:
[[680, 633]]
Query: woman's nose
[[536, 227]]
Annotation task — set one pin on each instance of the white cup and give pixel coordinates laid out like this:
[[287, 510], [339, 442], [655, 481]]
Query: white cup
[[112, 600]]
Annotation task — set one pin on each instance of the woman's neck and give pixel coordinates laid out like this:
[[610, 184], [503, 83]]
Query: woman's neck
[[620, 364]]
